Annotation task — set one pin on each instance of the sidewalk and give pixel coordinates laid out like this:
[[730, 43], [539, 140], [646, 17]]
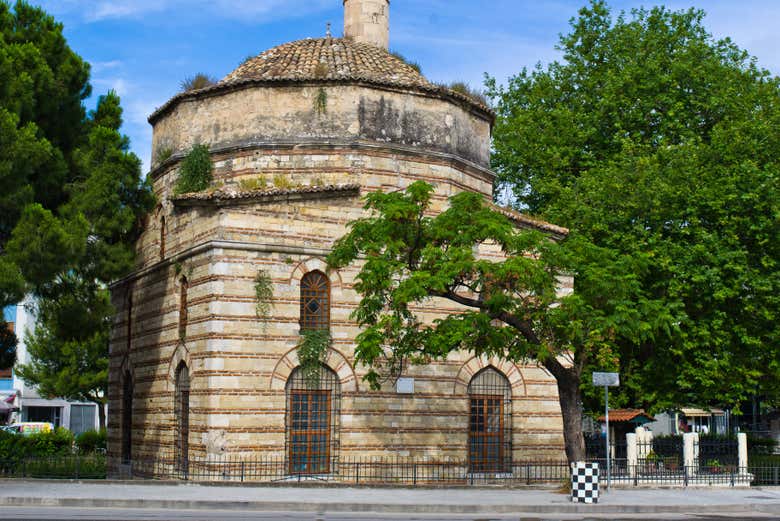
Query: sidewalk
[[118, 494]]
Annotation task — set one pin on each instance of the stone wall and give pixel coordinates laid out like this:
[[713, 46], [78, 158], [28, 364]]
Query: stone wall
[[239, 364], [351, 113]]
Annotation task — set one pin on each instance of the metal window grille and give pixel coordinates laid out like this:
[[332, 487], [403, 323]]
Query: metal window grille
[[490, 422], [182, 417], [312, 418], [315, 301], [183, 308], [127, 419]]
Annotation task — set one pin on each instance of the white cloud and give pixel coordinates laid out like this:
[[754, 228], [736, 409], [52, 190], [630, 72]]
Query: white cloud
[[98, 67], [118, 85]]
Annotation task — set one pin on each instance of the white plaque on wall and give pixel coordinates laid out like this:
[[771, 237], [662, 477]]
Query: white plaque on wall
[[404, 386]]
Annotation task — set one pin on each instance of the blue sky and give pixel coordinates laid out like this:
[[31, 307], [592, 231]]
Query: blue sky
[[144, 48]]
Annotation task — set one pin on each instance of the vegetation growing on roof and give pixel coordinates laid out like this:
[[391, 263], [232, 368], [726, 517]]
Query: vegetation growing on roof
[[464, 88], [412, 64], [197, 82], [163, 155], [253, 184], [195, 172]]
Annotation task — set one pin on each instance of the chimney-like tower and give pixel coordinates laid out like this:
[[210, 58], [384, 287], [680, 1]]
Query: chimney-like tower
[[368, 21]]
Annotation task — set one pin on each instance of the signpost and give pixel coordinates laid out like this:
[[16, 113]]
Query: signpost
[[607, 380]]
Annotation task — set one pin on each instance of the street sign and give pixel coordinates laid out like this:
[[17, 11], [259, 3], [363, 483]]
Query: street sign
[[606, 380]]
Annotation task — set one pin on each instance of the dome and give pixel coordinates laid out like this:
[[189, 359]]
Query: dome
[[328, 59]]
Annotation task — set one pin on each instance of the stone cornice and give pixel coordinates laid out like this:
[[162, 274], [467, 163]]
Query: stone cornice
[[326, 144], [233, 198]]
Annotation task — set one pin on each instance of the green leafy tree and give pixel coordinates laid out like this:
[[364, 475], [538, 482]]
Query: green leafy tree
[[72, 200], [654, 140], [68, 347], [510, 308], [42, 86]]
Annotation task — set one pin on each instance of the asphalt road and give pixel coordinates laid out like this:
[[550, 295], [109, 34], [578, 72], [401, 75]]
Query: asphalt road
[[100, 514]]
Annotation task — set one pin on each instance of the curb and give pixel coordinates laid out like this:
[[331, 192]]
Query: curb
[[287, 506]]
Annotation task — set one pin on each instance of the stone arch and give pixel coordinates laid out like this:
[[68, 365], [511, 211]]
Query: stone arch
[[314, 264], [181, 354], [334, 360], [476, 364]]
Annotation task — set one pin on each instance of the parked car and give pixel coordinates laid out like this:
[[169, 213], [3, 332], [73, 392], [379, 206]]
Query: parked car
[[27, 428]]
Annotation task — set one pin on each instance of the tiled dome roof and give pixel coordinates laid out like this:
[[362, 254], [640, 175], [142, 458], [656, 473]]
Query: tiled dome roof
[[328, 59]]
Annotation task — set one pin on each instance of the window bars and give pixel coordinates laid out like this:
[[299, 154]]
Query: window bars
[[315, 301], [312, 422], [490, 422]]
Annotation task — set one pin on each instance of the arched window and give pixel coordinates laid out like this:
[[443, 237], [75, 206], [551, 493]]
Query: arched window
[[312, 422], [315, 301], [183, 315], [129, 331], [490, 422], [127, 418], [162, 237], [181, 412]]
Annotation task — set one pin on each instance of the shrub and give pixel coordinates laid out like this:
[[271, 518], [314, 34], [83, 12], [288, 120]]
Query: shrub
[[197, 82], [195, 171], [15, 446], [91, 441], [761, 445]]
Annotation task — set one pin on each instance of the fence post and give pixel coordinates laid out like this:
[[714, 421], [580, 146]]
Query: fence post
[[78, 460], [242, 471], [632, 455], [414, 473], [742, 451], [691, 452]]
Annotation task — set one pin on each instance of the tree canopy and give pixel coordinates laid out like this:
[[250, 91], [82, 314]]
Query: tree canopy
[[655, 141], [511, 308], [71, 192]]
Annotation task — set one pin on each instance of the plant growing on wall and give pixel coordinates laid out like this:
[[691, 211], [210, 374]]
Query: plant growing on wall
[[321, 101], [196, 170], [311, 353], [264, 294]]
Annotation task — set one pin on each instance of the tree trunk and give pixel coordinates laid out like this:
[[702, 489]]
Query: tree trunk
[[571, 409], [101, 414]]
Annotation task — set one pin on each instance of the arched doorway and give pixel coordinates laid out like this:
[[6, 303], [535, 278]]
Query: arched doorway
[[490, 422], [127, 418], [312, 422], [181, 411]]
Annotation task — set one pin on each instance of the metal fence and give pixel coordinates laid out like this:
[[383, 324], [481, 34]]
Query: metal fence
[[392, 472], [91, 466], [407, 472]]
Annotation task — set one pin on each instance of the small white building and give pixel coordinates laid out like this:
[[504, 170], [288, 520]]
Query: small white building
[[27, 404]]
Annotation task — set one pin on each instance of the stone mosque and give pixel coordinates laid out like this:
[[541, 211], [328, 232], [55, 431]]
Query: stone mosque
[[297, 136]]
